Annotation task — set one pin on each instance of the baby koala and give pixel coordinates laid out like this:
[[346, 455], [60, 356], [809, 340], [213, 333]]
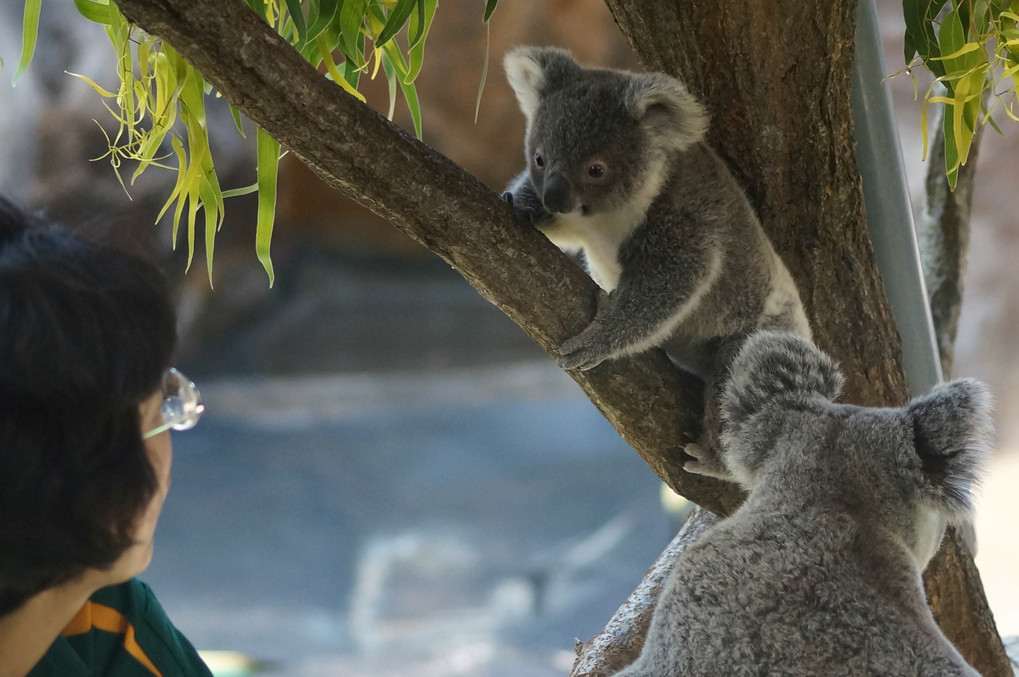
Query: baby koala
[[617, 168], [819, 572]]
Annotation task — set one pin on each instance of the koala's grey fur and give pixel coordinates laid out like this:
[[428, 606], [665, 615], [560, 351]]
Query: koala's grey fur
[[818, 573], [665, 230]]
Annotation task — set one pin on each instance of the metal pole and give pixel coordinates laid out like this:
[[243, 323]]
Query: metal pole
[[889, 214]]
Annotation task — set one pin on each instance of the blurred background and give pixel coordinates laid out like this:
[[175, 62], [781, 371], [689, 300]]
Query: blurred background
[[391, 477]]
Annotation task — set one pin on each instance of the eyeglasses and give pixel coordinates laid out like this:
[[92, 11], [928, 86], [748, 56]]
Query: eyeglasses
[[182, 403]]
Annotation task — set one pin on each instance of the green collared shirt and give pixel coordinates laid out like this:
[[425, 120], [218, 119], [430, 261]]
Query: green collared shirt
[[122, 631]]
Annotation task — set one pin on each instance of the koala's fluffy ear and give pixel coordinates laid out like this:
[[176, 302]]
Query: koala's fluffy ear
[[772, 364], [532, 71], [953, 435], [667, 110]]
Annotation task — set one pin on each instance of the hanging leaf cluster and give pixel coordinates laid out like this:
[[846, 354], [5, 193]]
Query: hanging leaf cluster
[[972, 49], [159, 105]]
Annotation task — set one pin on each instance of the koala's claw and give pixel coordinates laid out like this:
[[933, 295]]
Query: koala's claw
[[525, 215], [578, 353], [578, 361], [704, 462]]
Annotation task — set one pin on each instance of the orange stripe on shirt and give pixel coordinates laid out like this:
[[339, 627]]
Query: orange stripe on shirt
[[102, 617]]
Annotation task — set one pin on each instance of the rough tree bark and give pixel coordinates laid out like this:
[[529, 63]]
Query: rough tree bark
[[783, 113]]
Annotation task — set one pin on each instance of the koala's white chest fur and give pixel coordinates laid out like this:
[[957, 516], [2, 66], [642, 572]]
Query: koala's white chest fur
[[601, 235], [928, 530]]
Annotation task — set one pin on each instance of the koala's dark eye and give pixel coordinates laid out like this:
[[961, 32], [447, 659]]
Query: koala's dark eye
[[539, 160], [596, 171]]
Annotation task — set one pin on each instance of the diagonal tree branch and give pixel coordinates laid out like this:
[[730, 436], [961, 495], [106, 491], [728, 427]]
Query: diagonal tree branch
[[654, 406]]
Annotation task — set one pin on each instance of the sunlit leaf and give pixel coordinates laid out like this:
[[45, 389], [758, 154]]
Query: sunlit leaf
[[415, 30], [338, 77], [391, 76], [211, 204], [409, 91], [236, 115], [268, 168], [29, 36], [417, 51], [178, 187], [951, 151], [99, 12], [965, 49], [351, 15], [237, 192], [102, 92]]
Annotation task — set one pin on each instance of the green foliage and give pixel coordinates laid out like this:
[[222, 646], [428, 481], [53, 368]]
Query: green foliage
[[159, 105], [29, 34], [972, 48]]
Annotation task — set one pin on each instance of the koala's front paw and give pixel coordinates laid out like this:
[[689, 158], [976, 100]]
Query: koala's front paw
[[527, 212], [584, 351], [705, 461]]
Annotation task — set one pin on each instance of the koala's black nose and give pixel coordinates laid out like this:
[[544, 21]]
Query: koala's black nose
[[556, 194]]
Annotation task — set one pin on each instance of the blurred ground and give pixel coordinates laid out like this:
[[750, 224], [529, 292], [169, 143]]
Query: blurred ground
[[472, 527]]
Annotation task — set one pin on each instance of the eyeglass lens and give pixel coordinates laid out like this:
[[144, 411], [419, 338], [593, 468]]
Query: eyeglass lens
[[182, 403]]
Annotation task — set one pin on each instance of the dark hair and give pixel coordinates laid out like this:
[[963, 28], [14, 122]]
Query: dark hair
[[86, 332]]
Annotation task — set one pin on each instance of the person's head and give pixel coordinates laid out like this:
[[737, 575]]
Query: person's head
[[86, 334]]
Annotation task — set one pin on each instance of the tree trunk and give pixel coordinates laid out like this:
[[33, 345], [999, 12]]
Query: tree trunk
[[784, 114]]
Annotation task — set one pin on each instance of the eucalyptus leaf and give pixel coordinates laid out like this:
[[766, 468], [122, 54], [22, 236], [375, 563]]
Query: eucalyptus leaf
[[920, 37], [297, 16], [98, 12], [490, 9], [417, 51], [320, 16], [29, 36], [396, 20], [268, 169], [351, 18]]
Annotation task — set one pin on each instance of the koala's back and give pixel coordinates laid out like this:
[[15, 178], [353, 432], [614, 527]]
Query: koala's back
[[798, 595]]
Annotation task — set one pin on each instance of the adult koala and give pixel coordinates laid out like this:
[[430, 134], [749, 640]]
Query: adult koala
[[818, 573]]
